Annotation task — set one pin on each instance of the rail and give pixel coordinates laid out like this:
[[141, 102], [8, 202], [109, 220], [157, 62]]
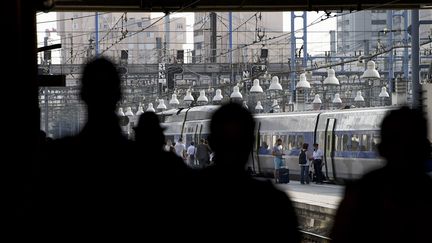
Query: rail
[[309, 237]]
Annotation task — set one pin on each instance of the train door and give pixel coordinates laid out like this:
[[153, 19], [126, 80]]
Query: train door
[[195, 137], [255, 152], [200, 134], [329, 148]]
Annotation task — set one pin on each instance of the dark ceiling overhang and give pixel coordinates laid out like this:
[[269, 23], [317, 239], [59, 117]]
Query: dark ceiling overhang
[[235, 5]]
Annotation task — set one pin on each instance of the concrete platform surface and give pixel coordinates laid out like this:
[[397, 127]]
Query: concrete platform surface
[[323, 195]]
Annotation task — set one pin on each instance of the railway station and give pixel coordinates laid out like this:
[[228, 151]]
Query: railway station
[[265, 109]]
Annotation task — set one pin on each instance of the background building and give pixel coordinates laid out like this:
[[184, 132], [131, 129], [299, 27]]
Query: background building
[[249, 34], [134, 37]]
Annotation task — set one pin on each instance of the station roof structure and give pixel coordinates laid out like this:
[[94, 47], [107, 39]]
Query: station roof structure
[[235, 5]]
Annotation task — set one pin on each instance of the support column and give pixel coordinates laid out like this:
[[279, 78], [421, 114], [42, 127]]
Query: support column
[[97, 34], [415, 60], [390, 76], [294, 47], [213, 44]]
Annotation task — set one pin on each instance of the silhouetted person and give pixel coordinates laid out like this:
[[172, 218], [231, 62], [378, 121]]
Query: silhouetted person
[[236, 206], [86, 181], [203, 152], [393, 203], [150, 141]]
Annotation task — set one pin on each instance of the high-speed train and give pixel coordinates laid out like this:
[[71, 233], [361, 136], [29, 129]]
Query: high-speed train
[[348, 137]]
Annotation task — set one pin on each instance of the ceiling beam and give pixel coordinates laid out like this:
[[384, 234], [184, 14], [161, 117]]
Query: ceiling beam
[[234, 5]]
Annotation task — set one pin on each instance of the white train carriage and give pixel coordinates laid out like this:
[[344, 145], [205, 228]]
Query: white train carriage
[[347, 137]]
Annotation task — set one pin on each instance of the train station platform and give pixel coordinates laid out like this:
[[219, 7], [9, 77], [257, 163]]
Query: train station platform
[[316, 205], [322, 195]]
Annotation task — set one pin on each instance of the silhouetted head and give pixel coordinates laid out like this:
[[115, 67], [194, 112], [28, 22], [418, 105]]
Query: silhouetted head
[[100, 85], [232, 135], [149, 132], [305, 146], [404, 140]]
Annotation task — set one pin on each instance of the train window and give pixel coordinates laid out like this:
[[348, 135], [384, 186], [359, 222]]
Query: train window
[[300, 141], [291, 142], [336, 142], [375, 141], [345, 142], [355, 142], [365, 142], [274, 137], [284, 141]]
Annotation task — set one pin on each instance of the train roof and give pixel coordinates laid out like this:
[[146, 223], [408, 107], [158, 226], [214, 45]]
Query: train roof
[[205, 112], [193, 113]]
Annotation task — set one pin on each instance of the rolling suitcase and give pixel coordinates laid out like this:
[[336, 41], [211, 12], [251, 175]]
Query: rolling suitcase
[[283, 175]]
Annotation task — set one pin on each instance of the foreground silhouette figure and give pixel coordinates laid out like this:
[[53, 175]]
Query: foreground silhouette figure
[[150, 141], [235, 205], [86, 186], [394, 203]]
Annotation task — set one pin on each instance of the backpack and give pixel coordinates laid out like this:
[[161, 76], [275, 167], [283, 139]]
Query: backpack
[[302, 157]]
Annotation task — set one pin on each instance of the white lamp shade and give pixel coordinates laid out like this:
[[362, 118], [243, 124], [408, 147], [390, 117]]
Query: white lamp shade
[[371, 72], [188, 96], [174, 100], [140, 110], [275, 85], [303, 83], [317, 100], [202, 98], [359, 97], [129, 111], [150, 107], [259, 107], [256, 88], [120, 112], [218, 96], [337, 99], [161, 105], [331, 78], [236, 93], [384, 93]]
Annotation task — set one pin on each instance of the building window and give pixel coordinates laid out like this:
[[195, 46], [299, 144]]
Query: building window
[[179, 26], [379, 22]]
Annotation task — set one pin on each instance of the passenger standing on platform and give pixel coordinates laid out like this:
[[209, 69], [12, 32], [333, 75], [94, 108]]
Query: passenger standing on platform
[[203, 153], [172, 148], [234, 200], [278, 160], [318, 163], [304, 164], [191, 150], [180, 149], [392, 203]]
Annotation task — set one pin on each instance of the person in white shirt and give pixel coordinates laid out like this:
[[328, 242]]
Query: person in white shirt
[[191, 154], [318, 163], [180, 148]]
